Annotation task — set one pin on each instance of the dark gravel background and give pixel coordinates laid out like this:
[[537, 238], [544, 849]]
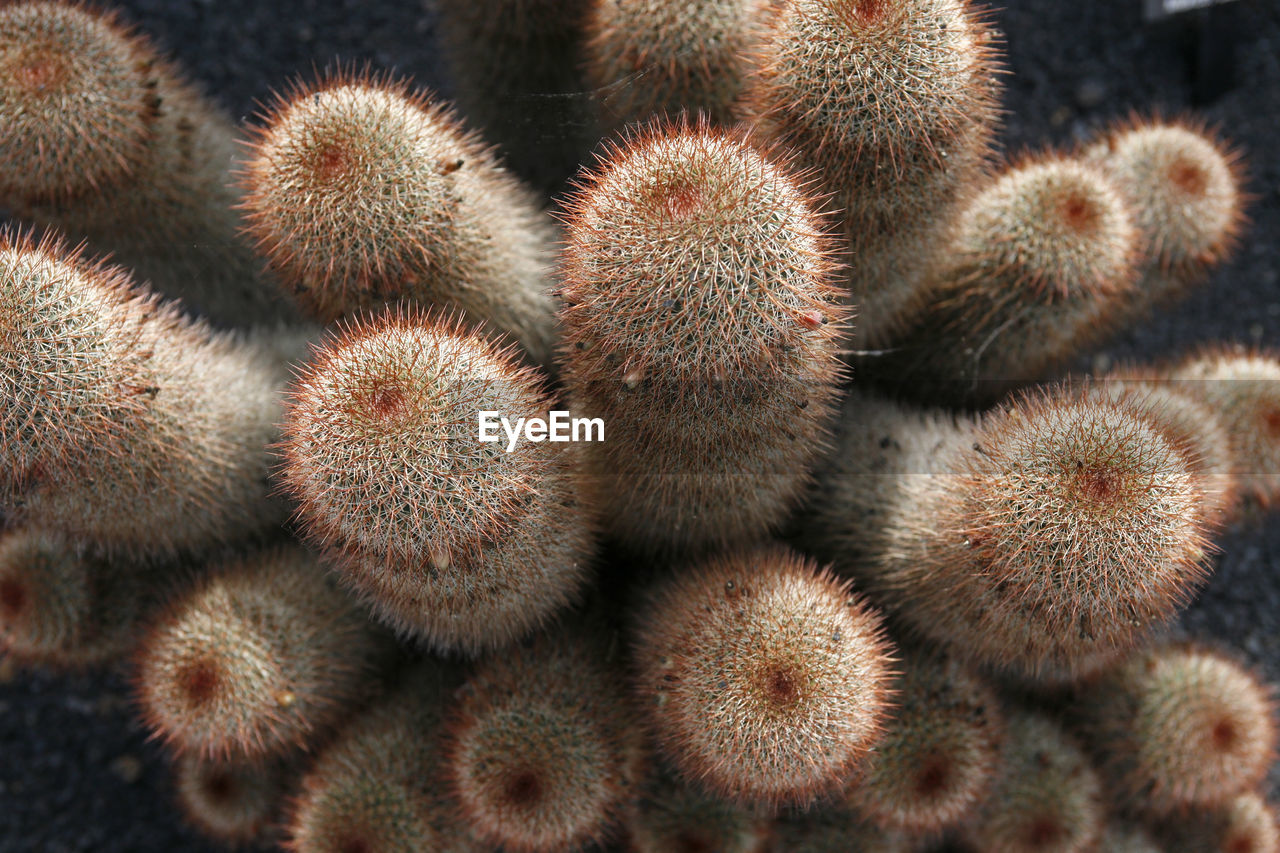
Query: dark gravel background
[[76, 773]]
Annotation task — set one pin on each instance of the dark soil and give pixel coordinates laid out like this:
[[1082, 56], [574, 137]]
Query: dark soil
[[77, 772]]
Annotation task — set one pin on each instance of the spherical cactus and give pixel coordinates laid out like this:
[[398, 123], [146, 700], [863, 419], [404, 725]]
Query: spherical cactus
[[646, 58], [541, 751], [78, 99], [672, 816], [1177, 727], [763, 678], [361, 192], [894, 102], [61, 607], [235, 803], [1054, 538], [1245, 824], [940, 752], [1036, 268], [256, 659], [1241, 386], [1049, 798], [379, 786], [702, 325], [135, 431], [105, 141], [451, 539], [1186, 191]]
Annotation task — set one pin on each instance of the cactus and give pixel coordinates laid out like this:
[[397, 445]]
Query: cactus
[[763, 678], [1048, 540], [111, 145], [672, 815], [1245, 824], [361, 192], [650, 57], [1038, 266], [63, 608], [1185, 189], [940, 752], [237, 803], [894, 103], [1049, 798], [137, 432], [515, 67], [1240, 385], [260, 657], [1178, 727], [377, 786], [540, 746], [701, 324], [455, 541]]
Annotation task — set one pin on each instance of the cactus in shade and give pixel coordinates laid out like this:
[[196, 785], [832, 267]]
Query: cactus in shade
[[1038, 266], [1047, 800], [1048, 540], [1244, 824], [377, 786], [840, 831], [940, 751], [361, 192], [450, 539], [1185, 189], [1122, 837], [1241, 386], [649, 57], [103, 140], [134, 430], [516, 69], [235, 802], [894, 103], [258, 658], [763, 678], [702, 325], [1177, 727], [541, 745], [673, 816], [61, 607]]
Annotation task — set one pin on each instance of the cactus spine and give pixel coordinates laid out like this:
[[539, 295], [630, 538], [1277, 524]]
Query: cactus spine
[[649, 57]]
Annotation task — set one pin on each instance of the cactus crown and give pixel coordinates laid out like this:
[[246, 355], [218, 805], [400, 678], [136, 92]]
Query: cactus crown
[[1186, 189], [1056, 226], [891, 79], [381, 444], [691, 252], [76, 91]]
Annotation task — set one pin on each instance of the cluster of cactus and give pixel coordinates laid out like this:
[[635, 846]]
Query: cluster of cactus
[[836, 578]]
